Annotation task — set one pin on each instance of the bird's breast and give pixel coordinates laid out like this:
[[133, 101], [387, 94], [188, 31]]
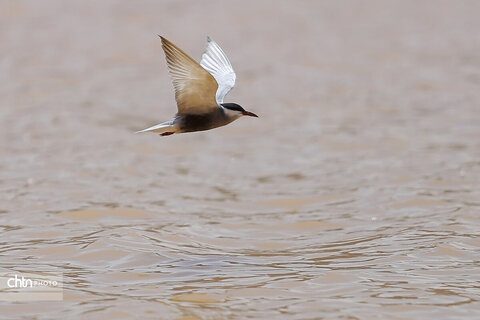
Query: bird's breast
[[202, 121]]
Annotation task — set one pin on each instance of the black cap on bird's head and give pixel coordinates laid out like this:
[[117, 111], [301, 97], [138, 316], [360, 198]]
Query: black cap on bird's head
[[238, 108]]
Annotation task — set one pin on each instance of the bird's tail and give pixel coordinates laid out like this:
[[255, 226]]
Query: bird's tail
[[166, 127]]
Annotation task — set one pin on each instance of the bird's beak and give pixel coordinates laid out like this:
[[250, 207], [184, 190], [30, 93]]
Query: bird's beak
[[251, 114]]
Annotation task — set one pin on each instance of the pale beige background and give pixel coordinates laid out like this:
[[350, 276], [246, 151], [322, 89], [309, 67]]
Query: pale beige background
[[355, 195]]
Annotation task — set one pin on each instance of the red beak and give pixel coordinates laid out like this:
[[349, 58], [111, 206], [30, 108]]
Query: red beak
[[251, 114]]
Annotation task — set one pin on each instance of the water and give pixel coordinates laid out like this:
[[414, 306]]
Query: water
[[355, 195]]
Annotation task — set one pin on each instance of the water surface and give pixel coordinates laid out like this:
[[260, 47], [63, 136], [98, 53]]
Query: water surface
[[355, 195]]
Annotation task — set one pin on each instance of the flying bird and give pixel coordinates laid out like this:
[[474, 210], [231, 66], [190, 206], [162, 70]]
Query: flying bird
[[199, 90]]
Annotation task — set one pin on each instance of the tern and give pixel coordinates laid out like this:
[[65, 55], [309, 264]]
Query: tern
[[199, 90]]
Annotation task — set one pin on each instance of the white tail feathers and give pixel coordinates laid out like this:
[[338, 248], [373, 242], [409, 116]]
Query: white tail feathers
[[161, 128]]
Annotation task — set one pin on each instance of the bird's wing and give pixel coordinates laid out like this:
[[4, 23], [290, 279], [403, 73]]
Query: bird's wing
[[195, 88], [215, 61]]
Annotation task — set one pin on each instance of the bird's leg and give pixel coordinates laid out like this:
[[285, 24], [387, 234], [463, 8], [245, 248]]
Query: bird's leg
[[166, 133]]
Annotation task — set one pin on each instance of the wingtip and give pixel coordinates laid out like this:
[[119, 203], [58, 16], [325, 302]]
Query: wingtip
[[209, 39]]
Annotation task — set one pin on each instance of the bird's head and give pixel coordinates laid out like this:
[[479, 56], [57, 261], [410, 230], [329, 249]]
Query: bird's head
[[236, 111]]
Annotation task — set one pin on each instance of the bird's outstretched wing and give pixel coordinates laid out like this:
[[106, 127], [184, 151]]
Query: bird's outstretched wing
[[195, 88], [215, 61]]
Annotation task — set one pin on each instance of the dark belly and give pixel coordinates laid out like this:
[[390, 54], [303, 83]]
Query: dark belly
[[200, 122]]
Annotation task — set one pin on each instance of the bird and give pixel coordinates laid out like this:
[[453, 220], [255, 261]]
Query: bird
[[199, 90]]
